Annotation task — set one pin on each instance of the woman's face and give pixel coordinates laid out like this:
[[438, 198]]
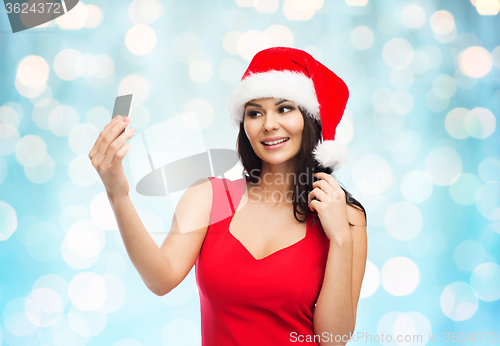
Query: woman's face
[[268, 119]]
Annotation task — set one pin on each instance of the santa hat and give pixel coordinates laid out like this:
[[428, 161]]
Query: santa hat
[[294, 75]]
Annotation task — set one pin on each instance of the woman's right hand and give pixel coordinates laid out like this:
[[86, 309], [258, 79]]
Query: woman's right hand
[[108, 153]]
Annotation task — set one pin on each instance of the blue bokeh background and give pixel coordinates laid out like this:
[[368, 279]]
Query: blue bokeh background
[[420, 126]]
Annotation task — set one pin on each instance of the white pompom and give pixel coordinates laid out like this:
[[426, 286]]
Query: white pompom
[[331, 154]]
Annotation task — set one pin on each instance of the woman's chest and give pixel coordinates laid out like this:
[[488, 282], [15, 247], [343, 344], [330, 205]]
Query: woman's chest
[[263, 232], [227, 273]]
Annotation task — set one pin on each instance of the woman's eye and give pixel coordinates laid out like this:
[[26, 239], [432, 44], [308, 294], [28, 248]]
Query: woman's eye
[[285, 107], [252, 114]]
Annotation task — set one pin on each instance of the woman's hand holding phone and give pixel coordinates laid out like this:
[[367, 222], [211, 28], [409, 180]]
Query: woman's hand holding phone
[[108, 153]]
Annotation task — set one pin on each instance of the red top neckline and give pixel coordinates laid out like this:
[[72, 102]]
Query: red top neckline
[[244, 247]]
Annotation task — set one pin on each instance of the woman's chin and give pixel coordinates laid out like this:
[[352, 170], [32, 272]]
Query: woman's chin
[[276, 159]]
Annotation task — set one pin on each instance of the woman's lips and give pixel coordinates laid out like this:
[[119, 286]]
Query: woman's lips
[[276, 146]]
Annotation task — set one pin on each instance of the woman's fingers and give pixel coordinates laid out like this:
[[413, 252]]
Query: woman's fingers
[[316, 193], [117, 145], [106, 138], [120, 154], [93, 152]]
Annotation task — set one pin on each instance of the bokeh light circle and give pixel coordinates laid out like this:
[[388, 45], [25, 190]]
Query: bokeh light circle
[[230, 42], [372, 174], [413, 17], [204, 112], [401, 102], [251, 42], [134, 84], [362, 37], [488, 200], [485, 279], [94, 16], [69, 64], [459, 301], [83, 244], [405, 327], [401, 78], [87, 323], [74, 19], [81, 171], [416, 186], [480, 123], [442, 22], [62, 120], [33, 71], [489, 169], [82, 138], [88, 291], [469, 254], [463, 191], [371, 280], [145, 11], [64, 335], [19, 315], [31, 150], [140, 39], [443, 165], [9, 137], [475, 62], [400, 276], [455, 123], [8, 220], [116, 293], [42, 172], [279, 35], [381, 100], [446, 83], [185, 45], [397, 53], [403, 221], [49, 304], [200, 71]]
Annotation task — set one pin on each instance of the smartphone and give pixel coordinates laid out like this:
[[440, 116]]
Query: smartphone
[[123, 107]]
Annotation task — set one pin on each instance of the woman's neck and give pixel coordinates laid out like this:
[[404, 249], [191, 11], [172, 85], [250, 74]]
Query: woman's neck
[[275, 184]]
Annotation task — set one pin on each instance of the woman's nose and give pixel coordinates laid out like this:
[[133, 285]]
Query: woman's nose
[[271, 122]]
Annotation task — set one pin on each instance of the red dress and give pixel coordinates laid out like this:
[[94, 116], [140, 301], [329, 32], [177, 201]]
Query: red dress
[[246, 301]]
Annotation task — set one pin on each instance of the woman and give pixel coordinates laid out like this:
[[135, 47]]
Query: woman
[[266, 276]]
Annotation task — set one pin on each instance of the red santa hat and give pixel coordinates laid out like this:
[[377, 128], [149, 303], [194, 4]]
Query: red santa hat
[[294, 75]]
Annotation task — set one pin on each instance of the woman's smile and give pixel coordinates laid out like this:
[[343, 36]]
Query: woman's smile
[[270, 144]]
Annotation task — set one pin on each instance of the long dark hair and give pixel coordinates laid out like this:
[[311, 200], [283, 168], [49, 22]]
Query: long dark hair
[[306, 165]]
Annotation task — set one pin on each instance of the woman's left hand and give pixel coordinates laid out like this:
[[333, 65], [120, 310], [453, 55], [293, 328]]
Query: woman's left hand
[[331, 207]]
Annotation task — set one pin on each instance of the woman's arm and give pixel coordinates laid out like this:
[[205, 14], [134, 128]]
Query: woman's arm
[[335, 312], [145, 255], [162, 269]]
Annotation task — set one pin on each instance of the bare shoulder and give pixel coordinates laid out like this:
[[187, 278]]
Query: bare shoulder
[[356, 216], [201, 188], [194, 206]]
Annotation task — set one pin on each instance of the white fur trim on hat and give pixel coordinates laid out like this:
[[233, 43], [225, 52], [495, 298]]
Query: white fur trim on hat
[[331, 154], [290, 85]]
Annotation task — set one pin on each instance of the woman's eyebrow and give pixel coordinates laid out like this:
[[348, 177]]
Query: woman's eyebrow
[[280, 102], [257, 105]]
